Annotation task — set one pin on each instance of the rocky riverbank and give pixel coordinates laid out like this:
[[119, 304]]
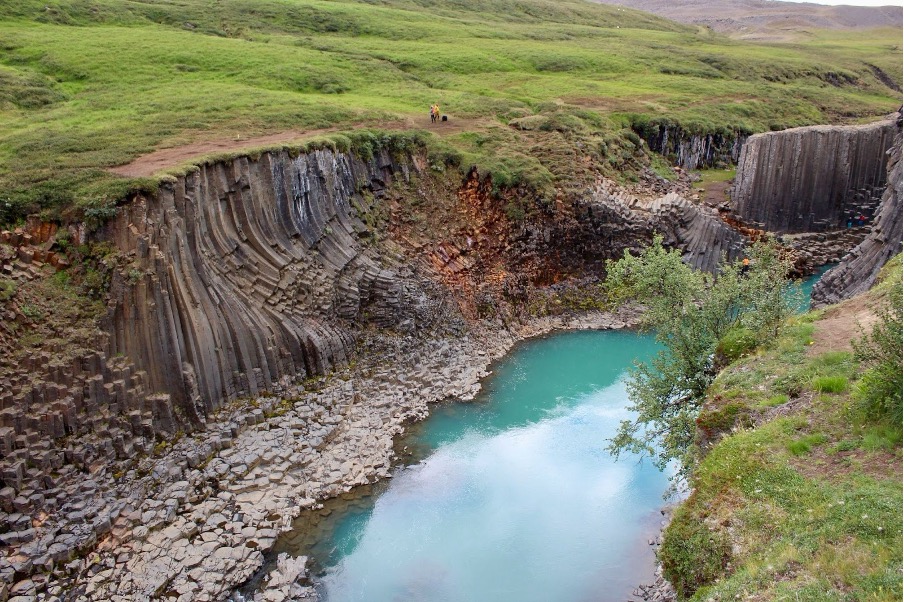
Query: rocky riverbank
[[193, 522], [659, 589]]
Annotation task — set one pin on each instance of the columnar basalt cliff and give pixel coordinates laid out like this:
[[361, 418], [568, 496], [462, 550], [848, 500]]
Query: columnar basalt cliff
[[248, 273], [698, 231], [693, 150], [811, 179], [243, 278], [859, 270]]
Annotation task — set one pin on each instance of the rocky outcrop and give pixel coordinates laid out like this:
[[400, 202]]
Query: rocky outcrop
[[816, 249], [811, 179], [698, 231], [238, 280], [859, 270], [249, 273], [690, 150]]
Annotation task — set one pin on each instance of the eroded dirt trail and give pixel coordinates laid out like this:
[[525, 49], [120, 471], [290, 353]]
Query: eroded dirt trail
[[844, 323], [168, 158]]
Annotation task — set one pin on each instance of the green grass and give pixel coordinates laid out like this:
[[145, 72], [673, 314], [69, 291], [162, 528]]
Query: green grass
[[830, 384], [807, 506], [712, 176], [88, 84]]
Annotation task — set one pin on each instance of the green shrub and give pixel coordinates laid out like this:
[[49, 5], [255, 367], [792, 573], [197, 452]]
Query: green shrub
[[95, 283], [736, 343], [692, 555], [880, 388], [7, 290]]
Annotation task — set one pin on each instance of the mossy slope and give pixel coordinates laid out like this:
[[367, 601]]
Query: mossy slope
[[801, 497]]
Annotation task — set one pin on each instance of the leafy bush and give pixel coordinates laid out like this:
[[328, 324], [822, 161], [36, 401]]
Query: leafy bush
[[737, 342], [880, 388], [691, 312]]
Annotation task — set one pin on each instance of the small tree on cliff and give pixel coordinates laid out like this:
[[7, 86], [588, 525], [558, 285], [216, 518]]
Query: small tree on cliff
[[691, 313]]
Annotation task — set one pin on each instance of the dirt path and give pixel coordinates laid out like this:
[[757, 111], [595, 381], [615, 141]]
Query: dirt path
[[166, 158], [716, 193], [842, 323]]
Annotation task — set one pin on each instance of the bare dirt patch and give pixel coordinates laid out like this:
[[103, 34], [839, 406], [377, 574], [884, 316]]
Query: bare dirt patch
[[822, 464], [168, 158], [716, 193], [843, 323]]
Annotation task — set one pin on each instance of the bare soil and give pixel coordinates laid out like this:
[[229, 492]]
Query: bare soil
[[768, 20], [716, 193], [842, 323]]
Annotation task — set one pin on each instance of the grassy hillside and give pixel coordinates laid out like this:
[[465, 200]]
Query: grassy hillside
[[89, 84], [801, 500]]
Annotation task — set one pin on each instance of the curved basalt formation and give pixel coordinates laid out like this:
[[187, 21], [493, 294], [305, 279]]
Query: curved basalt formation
[[811, 179], [859, 270], [247, 276], [250, 273], [698, 231]]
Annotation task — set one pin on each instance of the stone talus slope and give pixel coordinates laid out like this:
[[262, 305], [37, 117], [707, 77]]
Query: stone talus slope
[[247, 273], [813, 178], [859, 270]]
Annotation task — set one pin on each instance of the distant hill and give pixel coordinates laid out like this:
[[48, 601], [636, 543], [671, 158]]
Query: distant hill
[[765, 19]]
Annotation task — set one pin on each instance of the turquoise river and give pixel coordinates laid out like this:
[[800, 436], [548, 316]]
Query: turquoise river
[[515, 499], [509, 498]]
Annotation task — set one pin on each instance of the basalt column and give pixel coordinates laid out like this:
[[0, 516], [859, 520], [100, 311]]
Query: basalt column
[[247, 273], [811, 179], [859, 270]]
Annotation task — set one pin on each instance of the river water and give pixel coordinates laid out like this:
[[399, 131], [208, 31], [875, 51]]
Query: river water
[[509, 498], [515, 499]]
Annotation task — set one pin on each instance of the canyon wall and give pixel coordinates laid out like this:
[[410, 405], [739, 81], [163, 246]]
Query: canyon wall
[[696, 230], [248, 273], [859, 270], [693, 151], [811, 179]]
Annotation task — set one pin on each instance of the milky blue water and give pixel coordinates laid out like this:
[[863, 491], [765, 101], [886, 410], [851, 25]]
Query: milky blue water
[[516, 499], [808, 283], [509, 498]]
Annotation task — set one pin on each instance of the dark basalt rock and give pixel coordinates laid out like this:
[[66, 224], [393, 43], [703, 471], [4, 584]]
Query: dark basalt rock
[[811, 179], [693, 150], [252, 273], [858, 270]]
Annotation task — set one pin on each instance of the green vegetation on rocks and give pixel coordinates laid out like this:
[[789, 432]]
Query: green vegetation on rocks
[[90, 84], [798, 493]]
